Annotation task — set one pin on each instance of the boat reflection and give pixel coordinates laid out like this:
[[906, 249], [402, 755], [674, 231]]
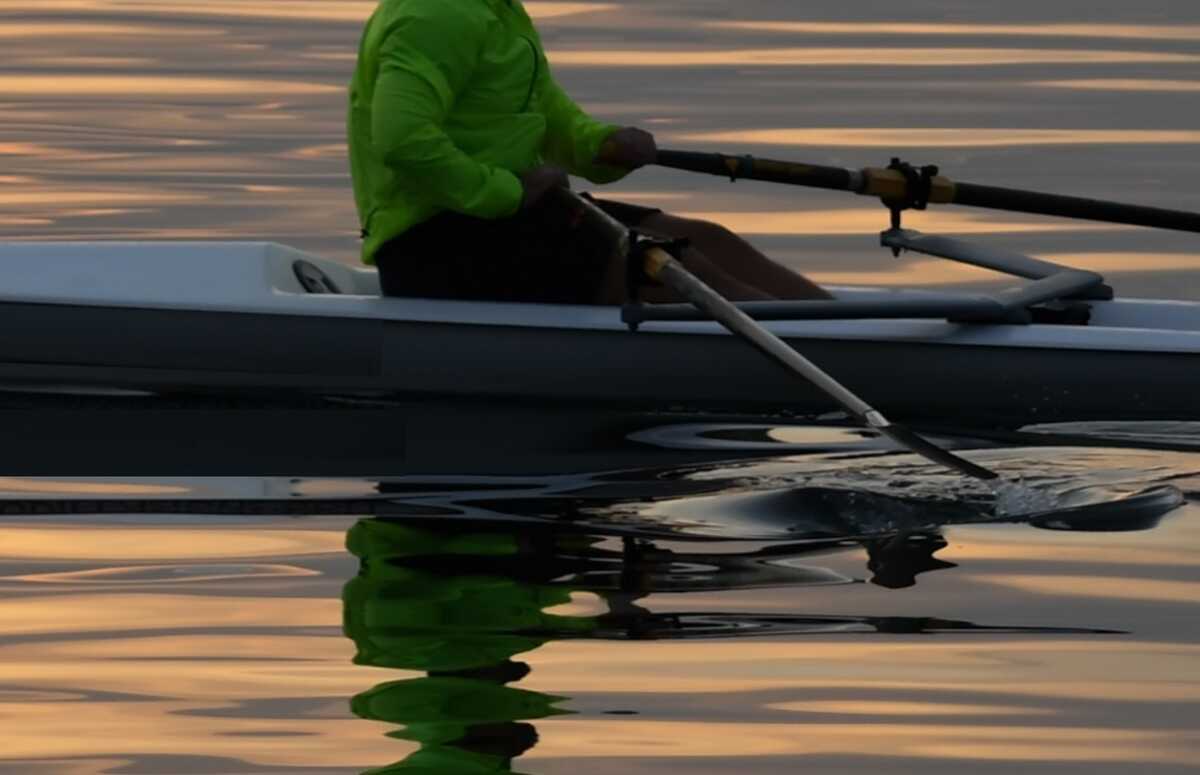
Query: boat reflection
[[461, 600]]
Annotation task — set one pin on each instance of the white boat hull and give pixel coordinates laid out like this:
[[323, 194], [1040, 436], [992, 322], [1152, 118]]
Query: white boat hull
[[232, 319]]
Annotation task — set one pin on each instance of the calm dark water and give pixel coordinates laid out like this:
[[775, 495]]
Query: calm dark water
[[840, 611]]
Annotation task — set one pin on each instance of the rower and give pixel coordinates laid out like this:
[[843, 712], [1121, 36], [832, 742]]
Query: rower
[[458, 130]]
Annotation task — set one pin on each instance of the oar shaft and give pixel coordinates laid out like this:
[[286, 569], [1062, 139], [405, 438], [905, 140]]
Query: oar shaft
[[660, 265], [1016, 200], [893, 187]]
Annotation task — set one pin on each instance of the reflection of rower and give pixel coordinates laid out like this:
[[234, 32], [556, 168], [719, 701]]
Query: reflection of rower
[[462, 627], [426, 600], [465, 721], [458, 600], [896, 561]]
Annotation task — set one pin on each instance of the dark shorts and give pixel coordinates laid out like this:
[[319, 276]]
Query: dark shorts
[[545, 254]]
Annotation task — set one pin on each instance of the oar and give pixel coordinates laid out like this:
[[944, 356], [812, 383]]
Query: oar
[[661, 266], [917, 187]]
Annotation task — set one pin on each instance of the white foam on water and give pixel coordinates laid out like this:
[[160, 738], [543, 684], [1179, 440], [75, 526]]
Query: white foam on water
[[1015, 498]]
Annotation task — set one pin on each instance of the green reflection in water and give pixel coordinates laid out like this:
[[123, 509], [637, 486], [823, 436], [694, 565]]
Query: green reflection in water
[[461, 626]]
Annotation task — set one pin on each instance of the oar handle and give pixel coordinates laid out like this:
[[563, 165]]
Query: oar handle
[[770, 170]]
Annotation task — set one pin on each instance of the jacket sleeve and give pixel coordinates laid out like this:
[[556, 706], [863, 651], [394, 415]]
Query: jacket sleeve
[[573, 138], [426, 60]]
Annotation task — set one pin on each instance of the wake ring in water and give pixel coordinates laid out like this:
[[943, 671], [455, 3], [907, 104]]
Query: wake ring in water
[[1141, 510]]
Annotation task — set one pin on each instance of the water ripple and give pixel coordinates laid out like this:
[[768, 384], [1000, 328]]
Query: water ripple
[[157, 575]]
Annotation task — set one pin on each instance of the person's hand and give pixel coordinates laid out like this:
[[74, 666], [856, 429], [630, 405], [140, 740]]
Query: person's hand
[[629, 147], [540, 180]]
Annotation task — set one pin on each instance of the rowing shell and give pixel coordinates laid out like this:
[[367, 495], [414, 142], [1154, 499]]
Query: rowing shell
[[161, 320]]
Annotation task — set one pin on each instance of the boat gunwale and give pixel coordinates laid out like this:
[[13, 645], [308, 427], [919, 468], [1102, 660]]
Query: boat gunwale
[[606, 320]]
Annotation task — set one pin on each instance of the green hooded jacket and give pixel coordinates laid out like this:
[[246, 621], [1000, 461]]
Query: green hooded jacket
[[451, 101]]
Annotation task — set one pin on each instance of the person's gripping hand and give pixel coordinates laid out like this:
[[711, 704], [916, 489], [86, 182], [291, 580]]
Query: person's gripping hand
[[629, 147], [540, 180]]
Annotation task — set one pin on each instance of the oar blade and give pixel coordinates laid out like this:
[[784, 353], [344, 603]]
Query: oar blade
[[930, 451]]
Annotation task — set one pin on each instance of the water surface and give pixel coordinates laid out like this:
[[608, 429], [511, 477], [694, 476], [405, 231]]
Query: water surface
[[646, 633]]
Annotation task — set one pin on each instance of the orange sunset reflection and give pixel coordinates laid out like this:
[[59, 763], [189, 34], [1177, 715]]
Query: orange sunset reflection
[[658, 739], [1106, 587], [153, 85], [1122, 84], [21, 149], [157, 575], [6, 220], [855, 57], [81, 61], [310, 10], [932, 271], [907, 709], [1048, 30], [253, 663], [171, 727], [12, 28], [76, 198], [1118, 669], [865, 220], [1066, 554], [934, 137], [109, 543], [59, 487], [911, 680], [117, 612]]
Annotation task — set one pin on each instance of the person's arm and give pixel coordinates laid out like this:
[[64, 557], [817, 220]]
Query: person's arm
[[574, 139], [426, 60]]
